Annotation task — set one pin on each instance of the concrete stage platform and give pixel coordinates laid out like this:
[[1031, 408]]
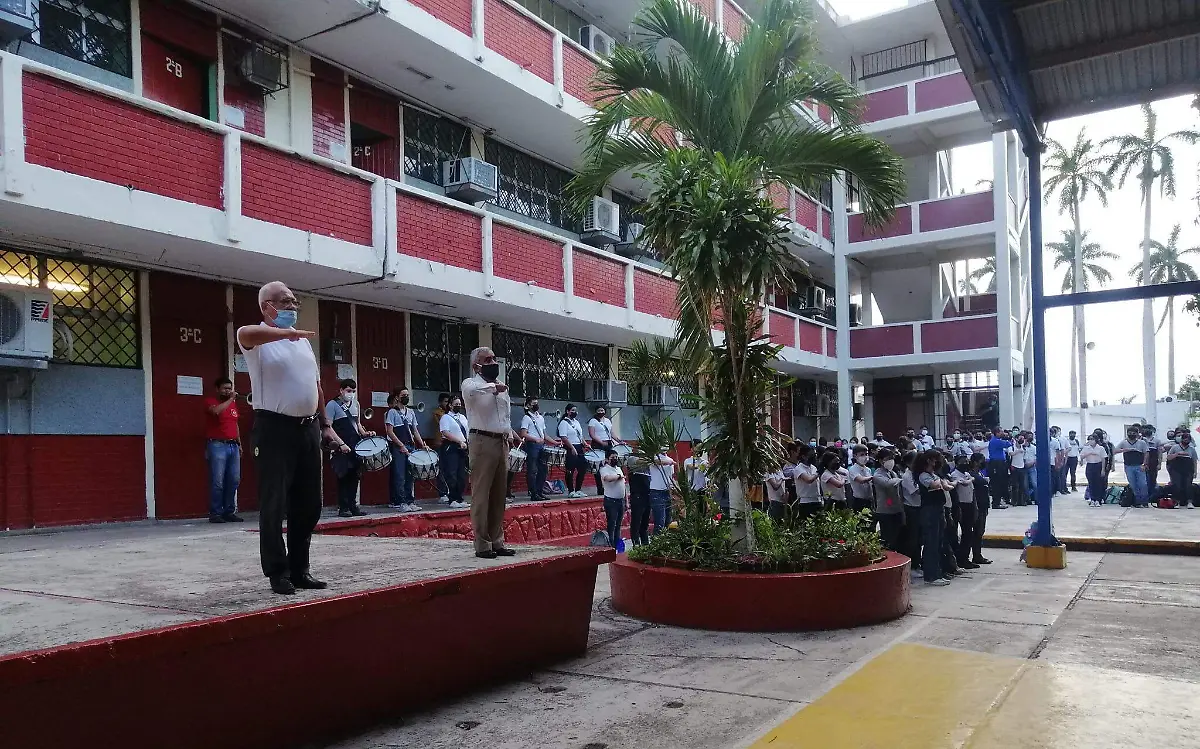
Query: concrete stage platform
[[1106, 528], [169, 635]]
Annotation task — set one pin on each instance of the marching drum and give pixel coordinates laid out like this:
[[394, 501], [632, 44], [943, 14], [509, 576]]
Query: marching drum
[[516, 460], [423, 464], [554, 456], [625, 454], [595, 459], [373, 453]]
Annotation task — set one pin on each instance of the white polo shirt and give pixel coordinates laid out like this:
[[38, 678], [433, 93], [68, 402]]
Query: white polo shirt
[[534, 425], [283, 377], [602, 427], [571, 431]]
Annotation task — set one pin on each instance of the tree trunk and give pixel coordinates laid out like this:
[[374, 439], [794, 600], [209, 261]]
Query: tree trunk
[[1084, 403], [1171, 346], [1148, 347], [742, 533], [1079, 341]]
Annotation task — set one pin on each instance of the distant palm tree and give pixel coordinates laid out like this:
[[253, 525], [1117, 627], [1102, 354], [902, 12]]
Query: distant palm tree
[[987, 270], [1073, 174], [1167, 265], [1090, 252], [1148, 157]]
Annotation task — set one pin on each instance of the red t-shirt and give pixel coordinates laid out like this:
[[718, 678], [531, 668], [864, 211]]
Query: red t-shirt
[[223, 426]]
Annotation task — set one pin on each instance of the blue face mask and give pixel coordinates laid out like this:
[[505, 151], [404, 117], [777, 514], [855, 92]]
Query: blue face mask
[[285, 318], [812, 444]]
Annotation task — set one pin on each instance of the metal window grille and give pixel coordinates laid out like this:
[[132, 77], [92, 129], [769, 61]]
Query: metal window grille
[[18, 268], [892, 59], [440, 350], [96, 313], [93, 31], [530, 186], [556, 15], [430, 140], [826, 194], [689, 386], [548, 368], [630, 211]]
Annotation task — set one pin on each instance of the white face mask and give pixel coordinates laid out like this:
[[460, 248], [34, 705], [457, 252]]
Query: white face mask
[[862, 460], [889, 465], [957, 436], [924, 432]]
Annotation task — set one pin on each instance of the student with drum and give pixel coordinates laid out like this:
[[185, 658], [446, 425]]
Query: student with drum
[[538, 446], [404, 439], [570, 432], [603, 437], [454, 429], [343, 414]]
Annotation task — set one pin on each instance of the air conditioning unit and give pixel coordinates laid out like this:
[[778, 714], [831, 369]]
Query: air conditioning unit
[[26, 323], [470, 180], [264, 67], [632, 244], [855, 315], [817, 405], [660, 396], [16, 20], [606, 391], [814, 299], [596, 41], [602, 224]]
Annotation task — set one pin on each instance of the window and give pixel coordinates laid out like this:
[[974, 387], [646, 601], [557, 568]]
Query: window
[[428, 141], [530, 186], [95, 307], [440, 350], [556, 15], [629, 211], [91, 31], [548, 368], [689, 386]]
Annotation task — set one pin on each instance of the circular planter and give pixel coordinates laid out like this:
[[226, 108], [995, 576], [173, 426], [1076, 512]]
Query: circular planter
[[746, 602]]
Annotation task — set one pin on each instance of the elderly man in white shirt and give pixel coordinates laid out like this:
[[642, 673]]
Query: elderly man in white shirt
[[488, 408]]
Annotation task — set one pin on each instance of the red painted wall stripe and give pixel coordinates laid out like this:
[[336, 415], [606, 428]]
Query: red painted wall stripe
[[328, 110], [457, 13], [733, 22], [519, 38], [943, 91], [599, 279], [830, 342], [892, 340], [963, 334], [783, 331], [291, 191], [900, 225], [578, 70], [77, 131], [654, 294], [810, 337], [521, 256], [437, 232]]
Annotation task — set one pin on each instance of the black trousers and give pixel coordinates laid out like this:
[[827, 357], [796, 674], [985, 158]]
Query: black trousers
[[998, 481], [639, 508], [966, 538], [347, 490], [910, 540], [287, 454], [1072, 466], [891, 526], [1181, 471], [981, 513], [576, 469]]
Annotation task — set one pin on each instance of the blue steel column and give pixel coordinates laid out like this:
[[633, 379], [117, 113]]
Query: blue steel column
[[1043, 537]]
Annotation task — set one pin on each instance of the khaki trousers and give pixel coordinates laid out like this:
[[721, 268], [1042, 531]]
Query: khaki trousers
[[489, 473]]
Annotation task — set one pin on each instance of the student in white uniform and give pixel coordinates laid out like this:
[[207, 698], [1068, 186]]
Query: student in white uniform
[[1094, 458], [808, 489], [1073, 449], [602, 436], [455, 428], [862, 480], [696, 468], [614, 497], [889, 505], [964, 496], [833, 479], [570, 432]]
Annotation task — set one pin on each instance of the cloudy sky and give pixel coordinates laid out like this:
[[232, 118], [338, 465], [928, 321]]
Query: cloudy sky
[[1115, 367]]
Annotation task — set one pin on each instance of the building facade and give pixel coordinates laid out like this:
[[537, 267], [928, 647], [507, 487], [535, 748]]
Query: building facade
[[161, 160]]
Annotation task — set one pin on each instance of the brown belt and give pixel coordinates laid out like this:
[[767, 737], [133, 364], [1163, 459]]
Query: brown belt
[[486, 433]]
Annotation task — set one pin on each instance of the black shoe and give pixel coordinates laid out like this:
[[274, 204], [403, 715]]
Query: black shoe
[[308, 582], [345, 514], [357, 512], [486, 554], [282, 586], [981, 560], [505, 552], [947, 577], [231, 518], [216, 519], [969, 565]]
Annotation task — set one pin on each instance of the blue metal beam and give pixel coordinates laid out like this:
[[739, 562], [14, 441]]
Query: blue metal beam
[[1153, 291], [1043, 536]]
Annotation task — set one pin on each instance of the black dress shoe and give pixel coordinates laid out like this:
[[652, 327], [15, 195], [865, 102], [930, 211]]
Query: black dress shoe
[[505, 552], [345, 514], [969, 566], [356, 512], [216, 519], [486, 554], [231, 518], [981, 560], [308, 582], [282, 586]]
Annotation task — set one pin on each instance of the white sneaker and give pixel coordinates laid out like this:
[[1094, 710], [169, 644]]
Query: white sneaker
[[443, 500], [459, 505], [941, 583], [412, 507], [576, 494], [509, 500]]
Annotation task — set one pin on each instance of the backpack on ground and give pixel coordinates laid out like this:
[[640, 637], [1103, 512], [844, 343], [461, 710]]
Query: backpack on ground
[[1127, 497], [1113, 496], [600, 538]]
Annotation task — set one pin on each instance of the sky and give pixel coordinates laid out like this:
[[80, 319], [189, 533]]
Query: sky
[[1115, 367]]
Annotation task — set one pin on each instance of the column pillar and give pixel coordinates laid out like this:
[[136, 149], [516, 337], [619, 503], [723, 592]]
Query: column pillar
[[841, 283]]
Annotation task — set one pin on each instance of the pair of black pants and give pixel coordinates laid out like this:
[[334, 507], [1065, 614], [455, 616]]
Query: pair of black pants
[[639, 508], [891, 526], [576, 469], [347, 490], [966, 539], [932, 515], [1072, 465], [607, 447], [614, 513], [1181, 480], [454, 468], [1097, 481], [950, 539], [998, 481], [911, 539], [981, 513], [287, 453]]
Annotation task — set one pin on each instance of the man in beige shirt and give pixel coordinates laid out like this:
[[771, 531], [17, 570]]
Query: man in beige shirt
[[489, 410]]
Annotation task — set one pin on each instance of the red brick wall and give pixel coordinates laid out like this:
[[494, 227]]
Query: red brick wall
[[735, 25], [654, 294], [779, 196], [810, 337], [830, 342], [578, 70], [241, 95], [74, 130], [599, 278], [457, 13], [519, 38], [328, 110], [783, 331], [524, 257], [706, 7], [806, 212], [65, 479], [288, 190], [827, 224], [439, 233]]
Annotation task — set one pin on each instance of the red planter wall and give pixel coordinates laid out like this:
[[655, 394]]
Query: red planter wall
[[437, 232], [598, 278], [72, 130], [521, 256], [519, 38]]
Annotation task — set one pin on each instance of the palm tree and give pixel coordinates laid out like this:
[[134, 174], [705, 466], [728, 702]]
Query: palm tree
[[712, 124], [1073, 174], [1079, 253], [1168, 265], [987, 270], [1148, 157]]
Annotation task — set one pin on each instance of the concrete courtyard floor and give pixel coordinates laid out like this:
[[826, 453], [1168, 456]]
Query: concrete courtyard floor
[[1073, 518]]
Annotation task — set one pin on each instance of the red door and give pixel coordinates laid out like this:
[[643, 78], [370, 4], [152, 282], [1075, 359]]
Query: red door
[[380, 341], [187, 350], [335, 341], [174, 77], [245, 312]]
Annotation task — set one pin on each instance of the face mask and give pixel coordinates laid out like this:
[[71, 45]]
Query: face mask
[[879, 438], [348, 397], [861, 460], [812, 443], [490, 372], [1091, 442], [534, 408], [889, 464], [404, 400], [924, 432], [957, 436], [571, 415], [600, 416], [285, 318], [458, 409]]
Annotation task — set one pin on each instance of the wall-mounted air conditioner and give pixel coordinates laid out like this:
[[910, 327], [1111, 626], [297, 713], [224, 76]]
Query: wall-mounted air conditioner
[[817, 405], [26, 323], [16, 20], [264, 67], [660, 396], [596, 41], [631, 245], [602, 223], [814, 299], [470, 180], [606, 391]]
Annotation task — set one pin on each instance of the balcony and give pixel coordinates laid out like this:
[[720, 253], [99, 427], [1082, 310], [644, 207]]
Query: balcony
[[950, 339], [812, 221], [958, 219], [938, 108]]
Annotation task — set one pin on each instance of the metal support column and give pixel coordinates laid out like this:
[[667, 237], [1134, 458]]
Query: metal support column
[[1043, 536]]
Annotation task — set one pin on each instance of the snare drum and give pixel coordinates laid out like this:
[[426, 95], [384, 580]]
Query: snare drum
[[516, 460], [625, 455], [595, 459], [373, 453], [554, 456], [423, 464]]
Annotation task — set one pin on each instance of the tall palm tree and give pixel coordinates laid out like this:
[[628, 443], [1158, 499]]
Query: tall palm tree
[[1168, 265], [1071, 253], [712, 124], [1148, 157], [988, 271], [1074, 174]]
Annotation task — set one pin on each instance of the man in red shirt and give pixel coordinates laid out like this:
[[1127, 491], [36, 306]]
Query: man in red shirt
[[224, 451]]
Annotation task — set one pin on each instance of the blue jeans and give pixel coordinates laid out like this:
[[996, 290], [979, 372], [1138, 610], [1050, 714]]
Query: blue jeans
[[535, 469], [614, 513], [1137, 481], [224, 475], [400, 488], [660, 509], [1031, 474], [932, 519]]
